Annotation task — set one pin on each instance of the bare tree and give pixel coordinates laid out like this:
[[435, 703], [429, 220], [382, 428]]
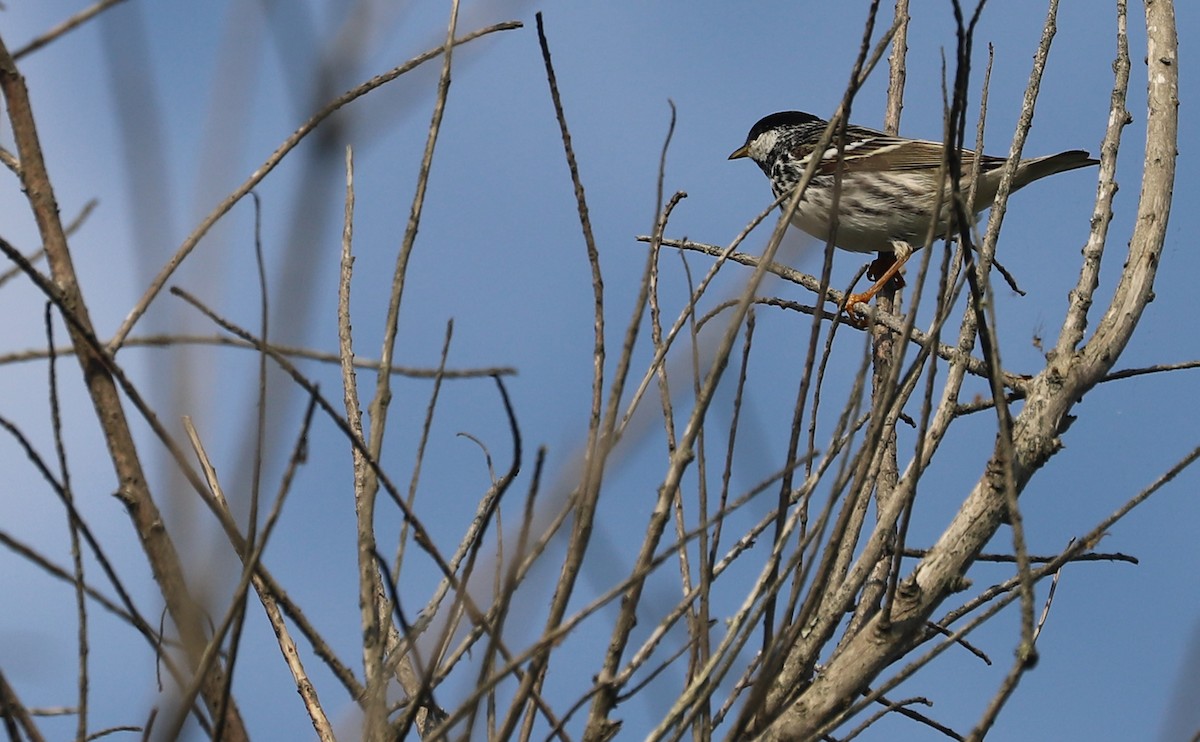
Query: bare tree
[[841, 607]]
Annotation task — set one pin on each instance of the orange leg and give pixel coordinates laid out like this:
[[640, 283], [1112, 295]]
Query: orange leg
[[881, 264], [890, 265]]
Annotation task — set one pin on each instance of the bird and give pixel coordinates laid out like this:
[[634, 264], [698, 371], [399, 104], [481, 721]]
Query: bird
[[889, 186]]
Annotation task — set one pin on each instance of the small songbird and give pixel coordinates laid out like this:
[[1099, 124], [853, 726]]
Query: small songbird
[[889, 186]]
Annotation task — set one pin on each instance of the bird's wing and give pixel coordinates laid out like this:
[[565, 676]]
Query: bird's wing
[[868, 150]]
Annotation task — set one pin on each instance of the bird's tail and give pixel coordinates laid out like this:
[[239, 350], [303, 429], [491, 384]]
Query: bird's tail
[[1040, 167]]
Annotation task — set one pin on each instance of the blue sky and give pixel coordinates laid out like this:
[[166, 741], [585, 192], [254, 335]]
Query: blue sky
[[220, 84]]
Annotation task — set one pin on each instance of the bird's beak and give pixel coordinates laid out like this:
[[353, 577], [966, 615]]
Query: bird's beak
[[739, 153]]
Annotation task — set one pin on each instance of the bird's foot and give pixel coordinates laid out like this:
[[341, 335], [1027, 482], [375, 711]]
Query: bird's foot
[[857, 309]]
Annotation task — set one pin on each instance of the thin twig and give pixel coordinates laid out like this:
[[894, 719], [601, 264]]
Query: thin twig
[[35, 256], [596, 447], [192, 240], [249, 566], [167, 341], [73, 527], [65, 27]]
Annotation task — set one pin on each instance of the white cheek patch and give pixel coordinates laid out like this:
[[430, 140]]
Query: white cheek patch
[[760, 149]]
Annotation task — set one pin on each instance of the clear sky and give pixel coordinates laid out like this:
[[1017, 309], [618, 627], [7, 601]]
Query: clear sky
[[159, 109]]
